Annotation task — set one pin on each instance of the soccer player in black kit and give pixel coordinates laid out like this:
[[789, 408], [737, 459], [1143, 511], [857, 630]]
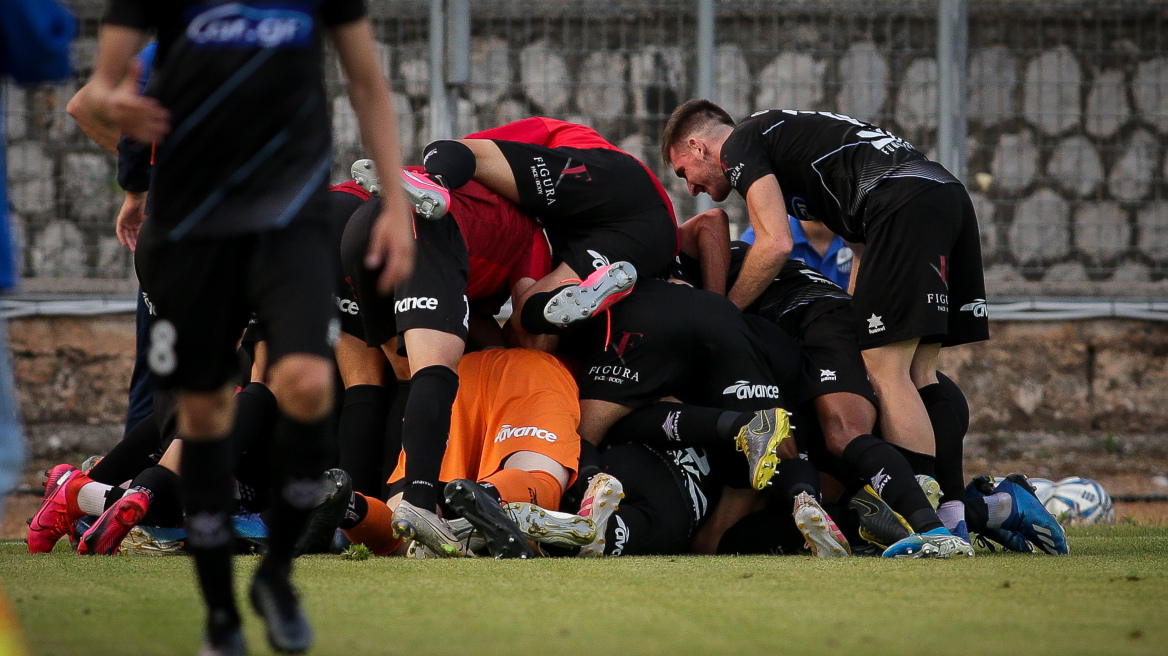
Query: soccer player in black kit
[[238, 86], [917, 283]]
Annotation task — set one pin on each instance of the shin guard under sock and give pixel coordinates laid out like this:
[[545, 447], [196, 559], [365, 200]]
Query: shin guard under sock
[[892, 478], [950, 437], [425, 431], [361, 436], [449, 163], [538, 487], [678, 425], [206, 487], [300, 450], [166, 496]]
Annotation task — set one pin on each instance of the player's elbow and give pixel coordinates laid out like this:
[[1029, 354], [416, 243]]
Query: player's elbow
[[774, 249]]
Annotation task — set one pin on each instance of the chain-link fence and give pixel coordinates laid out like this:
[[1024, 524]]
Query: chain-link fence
[[1067, 110]]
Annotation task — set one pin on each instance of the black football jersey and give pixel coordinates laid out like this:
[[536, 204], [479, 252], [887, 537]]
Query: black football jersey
[[829, 166], [250, 143]]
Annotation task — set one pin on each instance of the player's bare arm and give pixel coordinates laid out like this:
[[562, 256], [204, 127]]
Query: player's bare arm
[[113, 100], [102, 134], [391, 243], [772, 242], [706, 237]]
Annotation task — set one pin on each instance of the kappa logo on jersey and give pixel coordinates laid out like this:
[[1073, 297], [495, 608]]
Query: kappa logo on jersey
[[620, 535], [826, 375], [978, 307], [236, 25], [670, 425], [747, 390], [508, 431], [415, 303], [875, 325], [614, 374], [347, 306]]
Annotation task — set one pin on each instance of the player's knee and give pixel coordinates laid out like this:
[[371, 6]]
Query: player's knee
[[303, 387], [205, 415]]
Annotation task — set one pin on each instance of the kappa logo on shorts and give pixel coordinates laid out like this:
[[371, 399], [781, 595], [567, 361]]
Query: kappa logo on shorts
[[670, 425], [978, 307], [415, 303], [826, 375], [508, 431], [747, 390], [875, 325]]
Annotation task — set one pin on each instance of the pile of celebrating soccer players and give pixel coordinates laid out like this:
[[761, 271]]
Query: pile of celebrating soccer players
[[657, 388]]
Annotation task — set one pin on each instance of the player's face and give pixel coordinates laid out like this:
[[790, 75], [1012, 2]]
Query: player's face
[[701, 172]]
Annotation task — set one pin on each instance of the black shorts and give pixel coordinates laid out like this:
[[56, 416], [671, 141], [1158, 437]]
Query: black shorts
[[673, 490], [434, 296], [204, 290], [674, 340], [921, 273], [343, 206], [597, 205], [831, 358]]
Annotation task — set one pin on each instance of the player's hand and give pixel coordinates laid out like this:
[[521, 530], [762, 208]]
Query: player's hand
[[391, 246], [139, 117], [130, 219]]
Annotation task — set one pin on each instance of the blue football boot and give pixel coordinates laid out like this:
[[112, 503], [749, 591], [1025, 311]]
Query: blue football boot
[[1030, 518], [937, 543], [982, 486]]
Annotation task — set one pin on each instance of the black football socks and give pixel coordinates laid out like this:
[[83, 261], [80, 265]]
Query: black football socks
[[361, 436], [670, 425], [425, 431], [206, 483], [891, 476]]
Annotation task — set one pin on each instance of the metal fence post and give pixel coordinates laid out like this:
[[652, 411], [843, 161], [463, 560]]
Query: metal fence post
[[705, 81], [458, 52], [952, 95], [439, 127]]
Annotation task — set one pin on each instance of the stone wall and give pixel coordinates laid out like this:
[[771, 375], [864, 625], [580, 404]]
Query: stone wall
[[1072, 376], [1068, 114]]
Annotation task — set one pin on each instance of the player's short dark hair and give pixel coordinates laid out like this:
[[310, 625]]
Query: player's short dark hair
[[688, 118]]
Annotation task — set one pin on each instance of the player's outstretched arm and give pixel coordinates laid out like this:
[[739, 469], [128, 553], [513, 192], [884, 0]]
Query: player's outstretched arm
[[772, 240], [113, 99], [391, 244], [706, 237]]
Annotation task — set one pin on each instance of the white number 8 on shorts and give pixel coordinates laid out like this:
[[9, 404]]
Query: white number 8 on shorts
[[162, 357]]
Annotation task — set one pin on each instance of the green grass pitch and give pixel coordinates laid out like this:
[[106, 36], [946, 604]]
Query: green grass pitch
[[1109, 597]]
